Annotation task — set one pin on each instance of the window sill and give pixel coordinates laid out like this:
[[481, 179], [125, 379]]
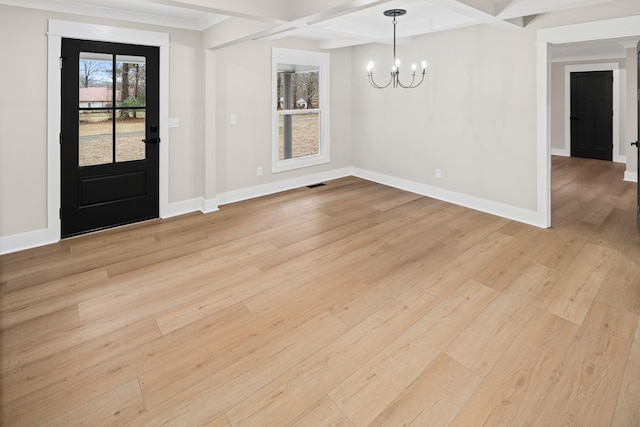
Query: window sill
[[298, 163]]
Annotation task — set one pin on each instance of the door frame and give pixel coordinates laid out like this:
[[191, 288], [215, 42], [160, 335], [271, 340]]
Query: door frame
[[615, 136], [66, 29], [607, 29]]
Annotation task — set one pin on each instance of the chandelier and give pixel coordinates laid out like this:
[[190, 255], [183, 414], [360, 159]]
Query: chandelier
[[395, 69]]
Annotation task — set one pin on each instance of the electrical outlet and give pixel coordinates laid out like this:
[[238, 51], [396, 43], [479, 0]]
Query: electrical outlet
[[233, 119], [439, 173], [259, 170]]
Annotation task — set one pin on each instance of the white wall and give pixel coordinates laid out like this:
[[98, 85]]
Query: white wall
[[474, 118], [242, 83], [557, 107], [23, 118], [187, 99]]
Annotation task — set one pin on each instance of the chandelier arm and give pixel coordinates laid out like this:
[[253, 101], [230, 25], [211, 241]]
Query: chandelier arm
[[377, 86], [421, 79], [413, 77], [412, 85]]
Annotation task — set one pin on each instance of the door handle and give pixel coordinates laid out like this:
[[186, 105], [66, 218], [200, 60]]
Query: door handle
[[151, 141], [635, 143]]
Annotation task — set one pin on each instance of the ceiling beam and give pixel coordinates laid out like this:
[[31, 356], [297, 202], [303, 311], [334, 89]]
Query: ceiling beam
[[306, 8], [289, 28], [343, 9], [520, 8], [274, 11], [479, 10], [233, 31]]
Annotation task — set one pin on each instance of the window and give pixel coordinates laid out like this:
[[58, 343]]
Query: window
[[300, 88]]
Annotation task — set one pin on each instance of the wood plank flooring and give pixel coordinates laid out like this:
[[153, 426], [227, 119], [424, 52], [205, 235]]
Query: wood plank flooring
[[349, 304]]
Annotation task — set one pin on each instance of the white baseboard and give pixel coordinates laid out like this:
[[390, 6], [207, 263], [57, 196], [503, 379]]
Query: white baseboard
[[188, 206], [181, 208], [209, 205], [619, 159], [631, 176], [499, 209], [34, 239], [23, 241], [562, 152], [278, 186]]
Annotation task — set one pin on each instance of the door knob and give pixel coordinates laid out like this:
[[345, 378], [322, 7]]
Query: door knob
[[635, 143], [151, 141]]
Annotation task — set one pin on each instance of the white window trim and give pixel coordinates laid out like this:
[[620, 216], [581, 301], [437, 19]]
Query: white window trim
[[301, 57]]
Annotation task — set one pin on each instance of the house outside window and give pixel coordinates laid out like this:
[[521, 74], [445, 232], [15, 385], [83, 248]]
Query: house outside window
[[300, 88]]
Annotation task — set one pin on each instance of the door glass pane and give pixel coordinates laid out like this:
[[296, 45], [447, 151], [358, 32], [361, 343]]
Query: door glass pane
[[95, 115], [96, 72], [130, 112], [304, 138], [95, 138], [131, 82], [130, 132]]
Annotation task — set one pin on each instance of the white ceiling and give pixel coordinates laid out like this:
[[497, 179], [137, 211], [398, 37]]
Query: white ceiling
[[333, 23]]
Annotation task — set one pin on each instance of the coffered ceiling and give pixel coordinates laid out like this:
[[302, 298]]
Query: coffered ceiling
[[332, 23]]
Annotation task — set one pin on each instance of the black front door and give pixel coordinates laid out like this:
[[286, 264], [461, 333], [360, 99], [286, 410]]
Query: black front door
[[592, 114], [110, 135]]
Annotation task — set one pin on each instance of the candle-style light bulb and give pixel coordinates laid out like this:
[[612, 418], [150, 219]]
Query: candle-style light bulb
[[413, 67], [370, 66], [397, 63], [424, 65]]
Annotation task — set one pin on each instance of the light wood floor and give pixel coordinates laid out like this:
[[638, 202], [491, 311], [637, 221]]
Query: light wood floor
[[346, 304]]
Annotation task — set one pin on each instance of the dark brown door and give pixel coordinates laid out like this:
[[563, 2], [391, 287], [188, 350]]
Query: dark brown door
[[592, 114], [110, 135]]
